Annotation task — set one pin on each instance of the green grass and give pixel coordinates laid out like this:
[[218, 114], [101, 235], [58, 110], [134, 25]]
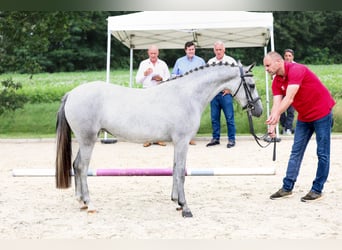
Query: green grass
[[34, 120], [38, 118]]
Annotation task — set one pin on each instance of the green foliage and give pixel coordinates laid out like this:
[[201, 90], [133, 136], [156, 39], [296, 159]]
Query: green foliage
[[45, 94], [48, 88], [10, 99], [315, 36], [318, 56], [59, 41], [26, 37], [33, 42]]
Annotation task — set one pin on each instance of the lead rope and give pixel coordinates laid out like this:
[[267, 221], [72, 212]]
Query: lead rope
[[248, 108], [274, 148], [257, 138]]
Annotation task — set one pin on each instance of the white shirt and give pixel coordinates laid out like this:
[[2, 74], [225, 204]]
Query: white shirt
[[224, 59], [159, 68]]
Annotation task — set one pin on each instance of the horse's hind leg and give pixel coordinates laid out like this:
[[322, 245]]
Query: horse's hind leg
[[78, 190], [80, 166]]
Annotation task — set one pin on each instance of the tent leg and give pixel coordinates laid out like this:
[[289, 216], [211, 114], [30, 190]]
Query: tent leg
[[131, 68], [267, 95], [105, 139]]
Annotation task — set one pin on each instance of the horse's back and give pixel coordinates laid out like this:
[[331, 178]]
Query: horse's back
[[98, 105], [91, 89], [84, 106]]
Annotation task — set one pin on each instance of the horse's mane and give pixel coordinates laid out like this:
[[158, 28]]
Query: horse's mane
[[200, 68]]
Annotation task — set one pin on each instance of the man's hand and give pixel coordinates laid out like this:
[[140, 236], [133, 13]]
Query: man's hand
[[157, 78], [272, 131], [148, 72], [225, 92]]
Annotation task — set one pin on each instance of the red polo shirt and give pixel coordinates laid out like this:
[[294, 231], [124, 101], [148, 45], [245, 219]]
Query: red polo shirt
[[313, 100]]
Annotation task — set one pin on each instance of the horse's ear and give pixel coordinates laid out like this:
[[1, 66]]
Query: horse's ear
[[250, 67]]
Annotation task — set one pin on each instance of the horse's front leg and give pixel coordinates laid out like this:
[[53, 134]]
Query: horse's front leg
[[178, 193], [174, 193]]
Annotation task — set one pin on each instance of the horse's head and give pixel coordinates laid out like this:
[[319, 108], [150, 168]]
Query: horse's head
[[247, 94]]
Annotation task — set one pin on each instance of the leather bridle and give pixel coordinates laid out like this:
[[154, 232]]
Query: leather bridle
[[251, 102]]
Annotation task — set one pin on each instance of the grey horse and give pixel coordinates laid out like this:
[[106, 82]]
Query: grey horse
[[170, 111]]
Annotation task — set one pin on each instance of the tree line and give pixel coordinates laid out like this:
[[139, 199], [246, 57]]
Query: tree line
[[32, 42]]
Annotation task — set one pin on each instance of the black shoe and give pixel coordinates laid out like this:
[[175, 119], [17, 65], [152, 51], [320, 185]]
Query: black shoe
[[213, 142], [230, 144], [311, 196], [280, 194]]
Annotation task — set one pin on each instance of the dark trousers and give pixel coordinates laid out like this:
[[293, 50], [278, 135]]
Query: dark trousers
[[286, 118], [225, 103]]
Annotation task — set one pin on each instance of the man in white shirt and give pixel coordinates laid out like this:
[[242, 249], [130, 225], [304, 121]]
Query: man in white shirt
[[152, 70], [150, 73]]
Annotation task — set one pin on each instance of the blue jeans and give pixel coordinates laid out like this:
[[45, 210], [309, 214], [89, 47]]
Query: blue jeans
[[226, 104], [304, 131], [286, 118]]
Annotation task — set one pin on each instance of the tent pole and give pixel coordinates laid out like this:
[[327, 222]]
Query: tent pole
[[108, 56], [267, 90], [272, 39], [273, 49], [266, 76], [131, 68], [109, 36]]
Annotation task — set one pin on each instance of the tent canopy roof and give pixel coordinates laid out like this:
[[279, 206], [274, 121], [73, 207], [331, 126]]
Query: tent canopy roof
[[171, 29]]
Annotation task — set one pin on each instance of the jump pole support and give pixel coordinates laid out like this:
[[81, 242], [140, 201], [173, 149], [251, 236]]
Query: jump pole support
[[39, 172]]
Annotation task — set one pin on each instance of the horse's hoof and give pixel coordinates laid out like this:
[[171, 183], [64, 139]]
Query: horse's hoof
[[187, 214], [91, 211], [83, 205], [179, 208], [174, 199]]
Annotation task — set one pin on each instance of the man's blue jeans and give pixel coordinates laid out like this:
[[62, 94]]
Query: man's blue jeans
[[304, 131], [226, 104]]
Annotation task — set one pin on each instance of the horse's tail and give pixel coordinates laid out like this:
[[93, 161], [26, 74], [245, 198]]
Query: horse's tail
[[64, 149]]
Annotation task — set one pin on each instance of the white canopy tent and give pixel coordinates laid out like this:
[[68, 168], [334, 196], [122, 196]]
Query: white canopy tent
[[171, 29]]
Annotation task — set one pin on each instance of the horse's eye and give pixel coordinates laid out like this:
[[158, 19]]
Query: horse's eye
[[251, 85]]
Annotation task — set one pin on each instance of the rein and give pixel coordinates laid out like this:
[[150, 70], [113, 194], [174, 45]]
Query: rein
[[249, 107]]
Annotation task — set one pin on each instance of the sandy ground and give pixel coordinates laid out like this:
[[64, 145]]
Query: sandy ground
[[224, 207]]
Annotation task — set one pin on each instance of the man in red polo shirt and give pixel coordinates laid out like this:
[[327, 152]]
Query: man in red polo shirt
[[294, 84]]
